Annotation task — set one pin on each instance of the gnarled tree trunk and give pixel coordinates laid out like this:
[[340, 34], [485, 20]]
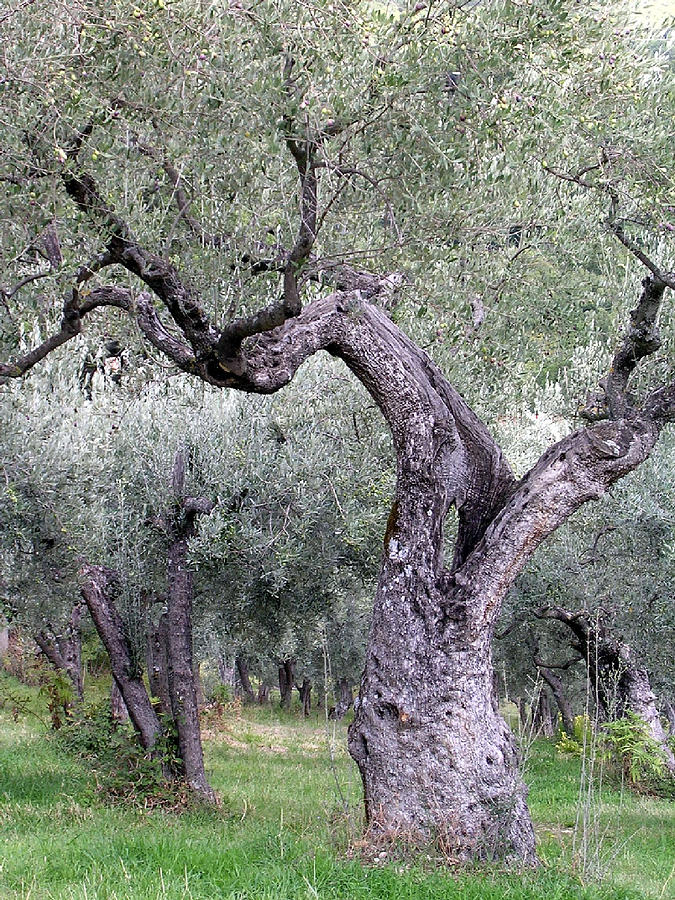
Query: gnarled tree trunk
[[436, 758]]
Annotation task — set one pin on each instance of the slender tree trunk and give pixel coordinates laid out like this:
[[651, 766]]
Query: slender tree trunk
[[558, 689], [157, 664], [286, 680], [225, 671], [344, 699], [305, 692], [263, 693], [542, 717], [244, 680], [179, 651], [118, 707], [64, 651], [97, 593]]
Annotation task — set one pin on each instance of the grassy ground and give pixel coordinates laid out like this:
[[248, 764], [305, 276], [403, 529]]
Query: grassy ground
[[284, 832]]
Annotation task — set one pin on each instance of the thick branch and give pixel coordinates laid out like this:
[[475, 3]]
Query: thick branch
[[579, 468], [642, 339]]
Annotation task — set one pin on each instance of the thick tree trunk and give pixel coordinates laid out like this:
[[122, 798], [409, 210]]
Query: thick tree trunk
[[619, 683], [558, 689], [157, 665], [243, 680], [97, 594], [436, 758], [434, 754], [263, 693], [286, 676], [64, 651], [305, 692]]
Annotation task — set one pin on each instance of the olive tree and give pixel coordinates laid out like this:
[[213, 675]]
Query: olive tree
[[282, 143]]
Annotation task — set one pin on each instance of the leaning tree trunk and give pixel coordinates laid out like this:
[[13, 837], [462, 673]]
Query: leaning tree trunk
[[243, 679], [97, 591], [64, 650], [435, 756]]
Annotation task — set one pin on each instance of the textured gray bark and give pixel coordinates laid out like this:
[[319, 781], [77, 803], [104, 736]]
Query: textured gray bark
[[97, 591], [180, 665], [436, 758]]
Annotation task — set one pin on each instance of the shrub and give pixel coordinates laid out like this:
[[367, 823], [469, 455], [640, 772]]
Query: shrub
[[574, 744], [633, 752], [124, 772]]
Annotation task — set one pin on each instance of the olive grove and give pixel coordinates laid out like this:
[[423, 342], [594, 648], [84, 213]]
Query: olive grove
[[253, 184]]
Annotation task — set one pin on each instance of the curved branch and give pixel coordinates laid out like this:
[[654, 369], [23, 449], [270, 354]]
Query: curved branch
[[159, 275], [71, 325]]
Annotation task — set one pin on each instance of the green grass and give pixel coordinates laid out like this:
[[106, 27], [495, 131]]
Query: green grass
[[283, 832]]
